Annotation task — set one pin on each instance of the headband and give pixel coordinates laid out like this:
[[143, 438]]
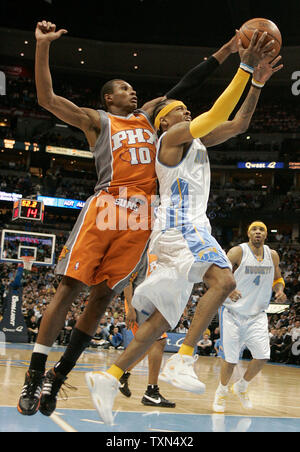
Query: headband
[[166, 110], [258, 223]]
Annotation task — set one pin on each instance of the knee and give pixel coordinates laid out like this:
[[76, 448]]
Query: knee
[[228, 284], [70, 284]]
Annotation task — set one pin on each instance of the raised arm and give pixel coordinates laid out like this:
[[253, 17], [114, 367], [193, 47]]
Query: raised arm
[[242, 119], [197, 75], [202, 125], [85, 119]]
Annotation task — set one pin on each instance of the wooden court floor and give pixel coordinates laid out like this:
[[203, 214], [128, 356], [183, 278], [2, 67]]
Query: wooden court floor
[[275, 394]]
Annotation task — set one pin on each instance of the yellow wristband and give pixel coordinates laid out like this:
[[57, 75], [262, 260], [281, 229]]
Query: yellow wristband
[[279, 281]]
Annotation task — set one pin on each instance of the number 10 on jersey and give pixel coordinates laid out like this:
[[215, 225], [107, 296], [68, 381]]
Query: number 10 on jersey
[[139, 155]]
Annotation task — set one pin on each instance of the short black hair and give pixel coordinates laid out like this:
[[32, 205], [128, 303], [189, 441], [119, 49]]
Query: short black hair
[[107, 88]]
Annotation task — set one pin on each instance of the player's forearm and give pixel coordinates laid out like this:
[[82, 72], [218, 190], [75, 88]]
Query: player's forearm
[[245, 113], [222, 108], [194, 78], [222, 54], [43, 78]]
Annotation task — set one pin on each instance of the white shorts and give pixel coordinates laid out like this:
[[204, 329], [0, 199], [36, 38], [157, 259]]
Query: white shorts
[[165, 291], [183, 257], [237, 330], [190, 250]]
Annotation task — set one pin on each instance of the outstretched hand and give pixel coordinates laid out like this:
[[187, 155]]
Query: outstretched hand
[[257, 51], [46, 31], [265, 69]]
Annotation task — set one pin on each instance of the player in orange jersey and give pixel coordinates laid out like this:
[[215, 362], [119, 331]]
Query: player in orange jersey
[[102, 251]]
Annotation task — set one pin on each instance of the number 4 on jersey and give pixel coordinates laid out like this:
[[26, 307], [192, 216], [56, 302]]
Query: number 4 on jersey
[[257, 280]]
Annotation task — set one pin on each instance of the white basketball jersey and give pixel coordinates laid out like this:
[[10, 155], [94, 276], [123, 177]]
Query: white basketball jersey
[[254, 279], [184, 189]]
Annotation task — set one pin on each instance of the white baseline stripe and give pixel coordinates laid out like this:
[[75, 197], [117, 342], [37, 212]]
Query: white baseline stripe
[[62, 424]]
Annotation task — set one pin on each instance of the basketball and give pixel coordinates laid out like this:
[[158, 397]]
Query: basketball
[[262, 25]]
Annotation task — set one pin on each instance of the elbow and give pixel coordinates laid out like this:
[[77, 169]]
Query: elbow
[[43, 102], [241, 127]]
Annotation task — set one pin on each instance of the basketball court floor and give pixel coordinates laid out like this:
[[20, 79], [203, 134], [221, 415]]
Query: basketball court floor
[[275, 394]]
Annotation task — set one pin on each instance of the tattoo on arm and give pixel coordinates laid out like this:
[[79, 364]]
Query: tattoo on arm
[[250, 103]]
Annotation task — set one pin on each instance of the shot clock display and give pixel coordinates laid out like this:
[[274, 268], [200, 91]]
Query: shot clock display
[[28, 209]]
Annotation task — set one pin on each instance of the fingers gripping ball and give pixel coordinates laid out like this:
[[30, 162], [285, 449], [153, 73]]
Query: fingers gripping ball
[[262, 25]]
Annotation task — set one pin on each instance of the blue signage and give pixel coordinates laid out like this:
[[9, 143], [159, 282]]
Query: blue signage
[[261, 165], [61, 202], [174, 340]]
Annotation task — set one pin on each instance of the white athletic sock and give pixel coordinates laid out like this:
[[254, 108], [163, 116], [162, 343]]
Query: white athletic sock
[[243, 384], [222, 388], [38, 348]]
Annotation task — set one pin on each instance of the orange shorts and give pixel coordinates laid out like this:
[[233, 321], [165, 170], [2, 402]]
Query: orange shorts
[[101, 246]]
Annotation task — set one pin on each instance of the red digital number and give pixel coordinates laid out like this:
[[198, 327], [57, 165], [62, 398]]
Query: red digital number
[[32, 213]]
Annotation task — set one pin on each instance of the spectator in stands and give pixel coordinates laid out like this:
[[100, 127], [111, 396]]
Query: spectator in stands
[[181, 329], [109, 325], [115, 338], [295, 331], [32, 327], [100, 337], [204, 346], [120, 323]]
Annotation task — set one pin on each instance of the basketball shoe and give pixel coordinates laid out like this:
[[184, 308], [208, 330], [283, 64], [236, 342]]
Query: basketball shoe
[[52, 384], [179, 371], [152, 397], [29, 400], [103, 388], [242, 394], [124, 388], [219, 404]]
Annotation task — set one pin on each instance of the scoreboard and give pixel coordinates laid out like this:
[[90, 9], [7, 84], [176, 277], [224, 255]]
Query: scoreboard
[[28, 209], [9, 143]]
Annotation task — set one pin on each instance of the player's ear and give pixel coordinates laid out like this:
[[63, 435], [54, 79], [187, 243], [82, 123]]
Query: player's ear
[[108, 99], [164, 124]]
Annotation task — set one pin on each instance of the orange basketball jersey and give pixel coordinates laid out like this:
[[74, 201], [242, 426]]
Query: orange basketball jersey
[[125, 153]]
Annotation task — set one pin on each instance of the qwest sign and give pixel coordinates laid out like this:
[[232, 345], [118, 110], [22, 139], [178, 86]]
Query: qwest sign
[[260, 165]]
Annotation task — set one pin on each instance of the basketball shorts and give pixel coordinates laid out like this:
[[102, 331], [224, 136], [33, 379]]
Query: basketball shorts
[[237, 330], [191, 250], [101, 246], [164, 290]]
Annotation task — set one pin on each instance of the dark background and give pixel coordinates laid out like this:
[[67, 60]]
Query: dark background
[[196, 23]]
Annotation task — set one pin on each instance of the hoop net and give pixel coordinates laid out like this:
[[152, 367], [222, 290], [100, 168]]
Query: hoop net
[[27, 262]]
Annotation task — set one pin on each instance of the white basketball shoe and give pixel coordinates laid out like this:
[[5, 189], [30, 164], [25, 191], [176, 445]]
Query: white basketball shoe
[[219, 404], [242, 395], [103, 388], [179, 371]]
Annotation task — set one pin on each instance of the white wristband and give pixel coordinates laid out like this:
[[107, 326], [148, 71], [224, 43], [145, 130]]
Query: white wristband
[[257, 84], [247, 68]]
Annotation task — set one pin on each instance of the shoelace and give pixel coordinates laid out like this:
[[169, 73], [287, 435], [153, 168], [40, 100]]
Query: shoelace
[[63, 391], [31, 389], [48, 387]]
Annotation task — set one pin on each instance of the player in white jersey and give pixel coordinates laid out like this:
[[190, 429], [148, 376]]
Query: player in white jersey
[[181, 239], [243, 318]]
